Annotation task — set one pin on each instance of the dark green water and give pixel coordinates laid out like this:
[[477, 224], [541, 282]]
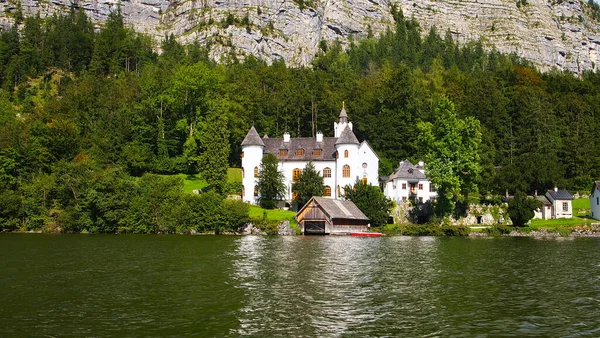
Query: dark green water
[[84, 285]]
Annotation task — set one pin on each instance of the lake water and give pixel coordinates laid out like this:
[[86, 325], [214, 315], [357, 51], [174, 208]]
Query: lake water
[[214, 286]]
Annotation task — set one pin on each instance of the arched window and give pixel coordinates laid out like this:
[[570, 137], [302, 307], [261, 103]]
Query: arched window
[[255, 191], [242, 154], [346, 153], [327, 191], [364, 180], [255, 171], [243, 175], [346, 171], [296, 174], [327, 172], [338, 191]]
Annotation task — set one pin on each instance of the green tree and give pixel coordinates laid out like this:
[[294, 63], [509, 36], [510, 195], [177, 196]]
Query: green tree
[[520, 209], [270, 182], [371, 201], [214, 140], [451, 148], [309, 184]]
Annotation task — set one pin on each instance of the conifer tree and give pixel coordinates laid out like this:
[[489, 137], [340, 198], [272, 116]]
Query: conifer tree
[[214, 140], [309, 184], [270, 182]]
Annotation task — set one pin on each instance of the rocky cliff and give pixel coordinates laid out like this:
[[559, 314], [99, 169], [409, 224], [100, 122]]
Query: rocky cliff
[[549, 33]]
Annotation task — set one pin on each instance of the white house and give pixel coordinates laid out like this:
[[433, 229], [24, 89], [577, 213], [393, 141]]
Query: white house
[[595, 201], [545, 210], [341, 159], [561, 200], [409, 181]]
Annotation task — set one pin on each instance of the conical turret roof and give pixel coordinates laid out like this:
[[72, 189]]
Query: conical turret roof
[[343, 114], [252, 139], [347, 137]]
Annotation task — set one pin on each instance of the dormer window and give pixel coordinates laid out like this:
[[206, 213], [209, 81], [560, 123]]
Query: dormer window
[[317, 152], [283, 152], [299, 152]]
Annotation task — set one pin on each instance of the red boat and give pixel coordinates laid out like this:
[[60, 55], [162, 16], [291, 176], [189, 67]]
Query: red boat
[[365, 234]]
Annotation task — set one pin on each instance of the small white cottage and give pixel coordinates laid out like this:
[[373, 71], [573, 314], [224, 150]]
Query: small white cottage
[[409, 182], [545, 209], [561, 200]]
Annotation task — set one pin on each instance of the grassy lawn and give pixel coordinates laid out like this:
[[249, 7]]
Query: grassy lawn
[[257, 212], [196, 182], [581, 206]]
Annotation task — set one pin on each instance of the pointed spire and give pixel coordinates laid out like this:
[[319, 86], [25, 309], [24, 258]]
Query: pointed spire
[[252, 138], [347, 137], [343, 114]]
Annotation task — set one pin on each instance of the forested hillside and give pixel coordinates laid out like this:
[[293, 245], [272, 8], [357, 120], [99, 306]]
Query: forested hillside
[[86, 117]]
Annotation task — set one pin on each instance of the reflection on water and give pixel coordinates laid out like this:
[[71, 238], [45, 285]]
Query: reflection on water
[[298, 286]]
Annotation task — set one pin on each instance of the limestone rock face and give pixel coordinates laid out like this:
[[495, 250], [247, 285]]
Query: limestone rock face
[[550, 33]]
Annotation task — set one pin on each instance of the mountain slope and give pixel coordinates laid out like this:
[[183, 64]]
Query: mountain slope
[[548, 33]]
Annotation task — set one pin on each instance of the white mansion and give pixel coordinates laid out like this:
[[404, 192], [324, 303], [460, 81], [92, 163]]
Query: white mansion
[[409, 181], [341, 159]]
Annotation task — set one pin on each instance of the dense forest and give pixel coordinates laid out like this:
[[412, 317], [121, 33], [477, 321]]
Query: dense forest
[[87, 118]]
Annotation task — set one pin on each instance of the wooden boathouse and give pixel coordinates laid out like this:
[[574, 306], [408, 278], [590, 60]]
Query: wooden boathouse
[[326, 216]]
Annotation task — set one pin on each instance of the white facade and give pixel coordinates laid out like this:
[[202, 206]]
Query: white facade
[[595, 201], [561, 200], [409, 181], [341, 160]]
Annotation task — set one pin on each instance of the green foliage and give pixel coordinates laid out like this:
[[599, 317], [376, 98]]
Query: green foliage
[[309, 184], [426, 230], [270, 182], [371, 201], [451, 148], [214, 139], [521, 209], [85, 114]]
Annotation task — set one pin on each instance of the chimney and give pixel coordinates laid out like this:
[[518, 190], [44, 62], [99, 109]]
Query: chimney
[[319, 136], [286, 137], [555, 189]]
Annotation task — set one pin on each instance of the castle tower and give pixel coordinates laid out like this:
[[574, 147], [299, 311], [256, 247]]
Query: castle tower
[[252, 153], [347, 162], [339, 127]]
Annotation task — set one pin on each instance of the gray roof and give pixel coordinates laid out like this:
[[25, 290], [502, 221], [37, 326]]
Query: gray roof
[[273, 145], [543, 199], [340, 209], [408, 171], [347, 137], [343, 113], [559, 195], [252, 138]]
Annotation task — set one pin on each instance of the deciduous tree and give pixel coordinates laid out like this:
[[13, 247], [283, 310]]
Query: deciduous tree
[[520, 209], [371, 201], [451, 148]]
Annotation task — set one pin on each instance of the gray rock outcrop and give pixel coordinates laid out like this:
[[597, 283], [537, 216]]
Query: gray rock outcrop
[[559, 33]]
